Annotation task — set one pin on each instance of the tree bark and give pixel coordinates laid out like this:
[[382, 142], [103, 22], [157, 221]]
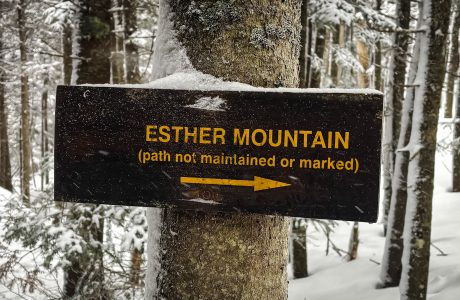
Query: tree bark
[[353, 244], [456, 149], [299, 248], [422, 150], [5, 163], [234, 255], [362, 51], [25, 107], [67, 53], [378, 56], [394, 100], [303, 75], [309, 53], [456, 129]]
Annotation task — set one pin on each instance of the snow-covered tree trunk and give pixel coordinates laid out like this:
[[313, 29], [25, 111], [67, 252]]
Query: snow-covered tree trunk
[[422, 147], [390, 274], [203, 255], [453, 63], [5, 163], [394, 99], [26, 146], [362, 51]]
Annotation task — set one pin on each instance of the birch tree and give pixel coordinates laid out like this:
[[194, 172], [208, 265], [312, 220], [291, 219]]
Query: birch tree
[[422, 147]]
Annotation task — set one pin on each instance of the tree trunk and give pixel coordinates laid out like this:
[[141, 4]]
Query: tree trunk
[[353, 244], [25, 107], [378, 56], [456, 148], [67, 53], [342, 39], [234, 255], [85, 276], [44, 174], [334, 66], [422, 148], [94, 42], [5, 163], [299, 248], [326, 66], [362, 51], [320, 45], [394, 100], [453, 63], [456, 129], [303, 75], [309, 54], [131, 51], [390, 274], [117, 57]]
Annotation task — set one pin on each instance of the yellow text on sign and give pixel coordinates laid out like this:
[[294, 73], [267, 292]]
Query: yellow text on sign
[[246, 137]]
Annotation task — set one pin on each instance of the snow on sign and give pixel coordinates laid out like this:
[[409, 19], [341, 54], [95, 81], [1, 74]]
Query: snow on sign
[[290, 152]]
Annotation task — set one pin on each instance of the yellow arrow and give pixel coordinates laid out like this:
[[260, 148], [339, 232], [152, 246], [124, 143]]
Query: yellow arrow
[[258, 183]]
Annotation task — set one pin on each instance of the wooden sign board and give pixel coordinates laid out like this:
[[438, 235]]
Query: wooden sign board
[[300, 154]]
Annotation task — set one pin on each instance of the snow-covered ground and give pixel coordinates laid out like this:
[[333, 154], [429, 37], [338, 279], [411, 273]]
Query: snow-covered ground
[[332, 277]]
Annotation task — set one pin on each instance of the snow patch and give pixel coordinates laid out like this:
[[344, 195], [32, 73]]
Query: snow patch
[[197, 81], [209, 103], [200, 200], [170, 57]]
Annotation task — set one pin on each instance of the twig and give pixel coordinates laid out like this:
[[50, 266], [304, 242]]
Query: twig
[[374, 261], [441, 253]]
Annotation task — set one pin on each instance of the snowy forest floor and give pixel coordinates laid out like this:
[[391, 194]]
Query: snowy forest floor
[[333, 278]]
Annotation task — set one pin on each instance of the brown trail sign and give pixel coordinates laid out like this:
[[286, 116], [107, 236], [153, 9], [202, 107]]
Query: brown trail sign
[[304, 154]]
